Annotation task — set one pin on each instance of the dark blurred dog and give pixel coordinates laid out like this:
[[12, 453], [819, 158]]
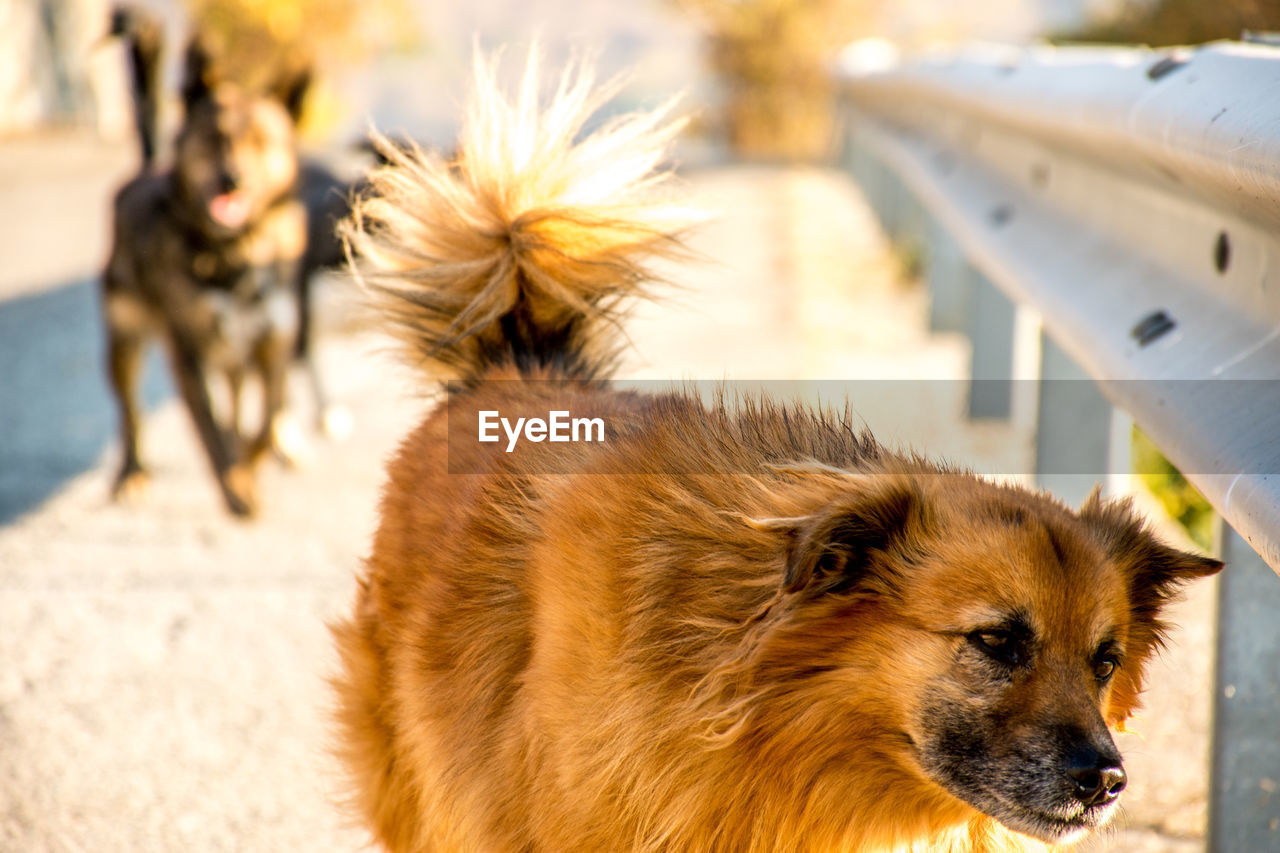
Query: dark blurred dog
[[207, 255]]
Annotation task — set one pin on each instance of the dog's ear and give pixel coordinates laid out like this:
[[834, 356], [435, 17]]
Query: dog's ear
[[1155, 570], [835, 546], [199, 72]]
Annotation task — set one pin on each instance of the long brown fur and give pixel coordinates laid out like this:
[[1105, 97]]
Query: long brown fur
[[736, 627]]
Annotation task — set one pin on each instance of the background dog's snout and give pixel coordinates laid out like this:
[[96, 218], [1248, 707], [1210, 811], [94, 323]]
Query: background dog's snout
[[228, 182], [1098, 777]]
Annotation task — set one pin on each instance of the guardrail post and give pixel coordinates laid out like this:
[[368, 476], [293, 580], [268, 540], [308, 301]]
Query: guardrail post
[[886, 193], [1244, 802], [914, 227], [1073, 435], [951, 281], [992, 335]]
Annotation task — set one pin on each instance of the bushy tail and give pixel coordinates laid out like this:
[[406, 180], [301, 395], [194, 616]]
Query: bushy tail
[[144, 40], [522, 250]]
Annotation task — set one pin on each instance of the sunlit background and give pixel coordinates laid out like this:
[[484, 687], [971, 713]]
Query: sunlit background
[[756, 66], [161, 666]]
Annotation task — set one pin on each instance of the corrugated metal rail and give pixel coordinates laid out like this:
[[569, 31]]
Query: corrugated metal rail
[[1133, 198]]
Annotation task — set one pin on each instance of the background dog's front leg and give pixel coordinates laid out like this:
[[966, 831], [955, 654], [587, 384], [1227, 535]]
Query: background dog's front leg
[[235, 478], [278, 433], [273, 353], [124, 368], [235, 387]]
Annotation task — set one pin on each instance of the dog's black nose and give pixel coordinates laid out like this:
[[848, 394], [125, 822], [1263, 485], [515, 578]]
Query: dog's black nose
[[228, 182], [1098, 778]]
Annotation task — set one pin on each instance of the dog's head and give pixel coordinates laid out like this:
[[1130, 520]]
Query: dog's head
[[998, 636], [235, 155]]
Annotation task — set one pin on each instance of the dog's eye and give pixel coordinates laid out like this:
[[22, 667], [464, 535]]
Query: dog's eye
[[1001, 645], [994, 639], [1105, 663]]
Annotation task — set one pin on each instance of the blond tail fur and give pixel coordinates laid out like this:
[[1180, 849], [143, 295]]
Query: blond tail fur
[[521, 251]]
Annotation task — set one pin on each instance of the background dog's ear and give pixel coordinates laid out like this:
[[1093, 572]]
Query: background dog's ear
[[291, 85], [834, 546], [199, 72], [144, 36]]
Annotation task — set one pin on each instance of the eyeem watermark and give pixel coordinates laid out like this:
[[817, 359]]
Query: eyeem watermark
[[558, 426]]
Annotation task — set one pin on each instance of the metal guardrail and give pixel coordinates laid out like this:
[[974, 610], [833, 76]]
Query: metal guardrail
[[1122, 193], [1129, 201]]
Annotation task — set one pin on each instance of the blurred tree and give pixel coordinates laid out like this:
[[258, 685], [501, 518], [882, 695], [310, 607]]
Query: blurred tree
[[257, 40], [1169, 22], [774, 57]]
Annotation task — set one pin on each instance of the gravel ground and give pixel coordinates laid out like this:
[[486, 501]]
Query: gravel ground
[[162, 666]]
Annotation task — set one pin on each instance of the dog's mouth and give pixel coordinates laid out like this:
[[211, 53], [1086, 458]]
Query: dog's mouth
[[1051, 817], [1064, 826], [231, 210]]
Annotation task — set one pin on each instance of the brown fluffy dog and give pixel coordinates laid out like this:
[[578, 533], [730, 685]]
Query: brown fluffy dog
[[206, 256], [739, 628]]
